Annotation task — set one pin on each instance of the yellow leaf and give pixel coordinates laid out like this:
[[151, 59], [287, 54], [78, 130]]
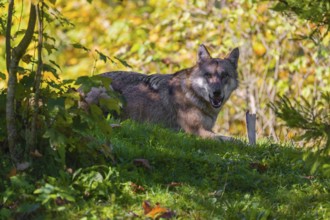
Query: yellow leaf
[[156, 212], [146, 206], [259, 48]]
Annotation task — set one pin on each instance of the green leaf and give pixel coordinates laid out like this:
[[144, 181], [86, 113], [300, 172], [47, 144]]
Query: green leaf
[[110, 104], [82, 80], [27, 58], [105, 127], [46, 36], [49, 68], [28, 80], [315, 166], [47, 189], [68, 197], [2, 76], [76, 173], [123, 62], [79, 46], [102, 56], [55, 64], [102, 81], [96, 112], [21, 70], [68, 103], [5, 213], [280, 7], [27, 208], [49, 48]]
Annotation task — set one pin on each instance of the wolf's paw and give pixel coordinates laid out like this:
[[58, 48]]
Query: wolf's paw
[[224, 138]]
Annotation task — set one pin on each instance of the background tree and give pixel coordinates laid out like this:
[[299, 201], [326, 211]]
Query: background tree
[[316, 12], [13, 57]]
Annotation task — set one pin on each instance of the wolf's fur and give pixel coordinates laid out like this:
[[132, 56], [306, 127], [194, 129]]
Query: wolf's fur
[[189, 99]]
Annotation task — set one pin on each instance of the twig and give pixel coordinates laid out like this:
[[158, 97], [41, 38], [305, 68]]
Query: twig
[[37, 78]]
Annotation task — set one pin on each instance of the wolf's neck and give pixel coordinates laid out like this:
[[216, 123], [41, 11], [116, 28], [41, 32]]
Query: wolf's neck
[[196, 100]]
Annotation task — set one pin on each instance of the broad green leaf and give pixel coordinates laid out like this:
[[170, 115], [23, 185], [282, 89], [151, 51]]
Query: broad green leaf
[[68, 103], [96, 112], [51, 69], [49, 48], [82, 80], [110, 104], [2, 76]]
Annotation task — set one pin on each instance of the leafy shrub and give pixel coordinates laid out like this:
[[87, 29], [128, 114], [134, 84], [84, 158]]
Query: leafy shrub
[[72, 130], [312, 118]]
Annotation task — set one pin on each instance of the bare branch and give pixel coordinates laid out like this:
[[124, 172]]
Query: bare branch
[[25, 42], [8, 33], [37, 78]]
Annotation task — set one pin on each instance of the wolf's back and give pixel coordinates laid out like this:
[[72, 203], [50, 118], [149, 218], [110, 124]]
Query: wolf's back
[[147, 97], [122, 79]]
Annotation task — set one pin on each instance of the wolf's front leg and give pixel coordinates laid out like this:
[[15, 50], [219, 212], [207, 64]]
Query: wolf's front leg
[[209, 134]]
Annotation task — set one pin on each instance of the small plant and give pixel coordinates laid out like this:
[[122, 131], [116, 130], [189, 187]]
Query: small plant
[[313, 119]]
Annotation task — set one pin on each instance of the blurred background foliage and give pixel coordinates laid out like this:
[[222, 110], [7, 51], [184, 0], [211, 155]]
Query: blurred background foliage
[[163, 36]]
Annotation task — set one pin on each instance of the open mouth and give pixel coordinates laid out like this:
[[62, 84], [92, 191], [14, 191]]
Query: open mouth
[[216, 102]]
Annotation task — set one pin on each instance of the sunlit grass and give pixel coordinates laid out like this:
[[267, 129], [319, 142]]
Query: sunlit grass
[[195, 178]]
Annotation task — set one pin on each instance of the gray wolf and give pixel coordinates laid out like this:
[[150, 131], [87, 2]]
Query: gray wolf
[[189, 99]]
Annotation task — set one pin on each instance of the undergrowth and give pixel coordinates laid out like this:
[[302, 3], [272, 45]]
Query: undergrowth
[[192, 177]]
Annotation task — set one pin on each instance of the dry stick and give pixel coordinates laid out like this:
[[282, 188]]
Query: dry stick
[[251, 127]]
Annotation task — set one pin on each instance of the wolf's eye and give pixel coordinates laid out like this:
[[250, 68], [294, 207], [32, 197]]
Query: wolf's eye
[[208, 75]]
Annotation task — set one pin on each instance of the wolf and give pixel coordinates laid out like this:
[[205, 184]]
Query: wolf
[[189, 99]]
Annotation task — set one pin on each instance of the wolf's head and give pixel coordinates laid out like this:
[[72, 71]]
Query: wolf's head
[[214, 79]]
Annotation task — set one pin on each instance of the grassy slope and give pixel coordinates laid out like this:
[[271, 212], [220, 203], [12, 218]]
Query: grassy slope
[[280, 190], [217, 180]]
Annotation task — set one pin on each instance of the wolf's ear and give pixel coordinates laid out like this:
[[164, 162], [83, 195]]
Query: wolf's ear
[[203, 54], [233, 57]]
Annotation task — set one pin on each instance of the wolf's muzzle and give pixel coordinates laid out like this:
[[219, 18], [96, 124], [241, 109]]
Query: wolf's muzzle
[[216, 100]]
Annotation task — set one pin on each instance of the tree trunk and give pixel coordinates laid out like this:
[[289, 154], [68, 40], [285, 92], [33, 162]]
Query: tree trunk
[[10, 114], [13, 56]]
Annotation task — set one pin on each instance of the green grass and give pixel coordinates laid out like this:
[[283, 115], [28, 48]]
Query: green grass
[[217, 180]]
